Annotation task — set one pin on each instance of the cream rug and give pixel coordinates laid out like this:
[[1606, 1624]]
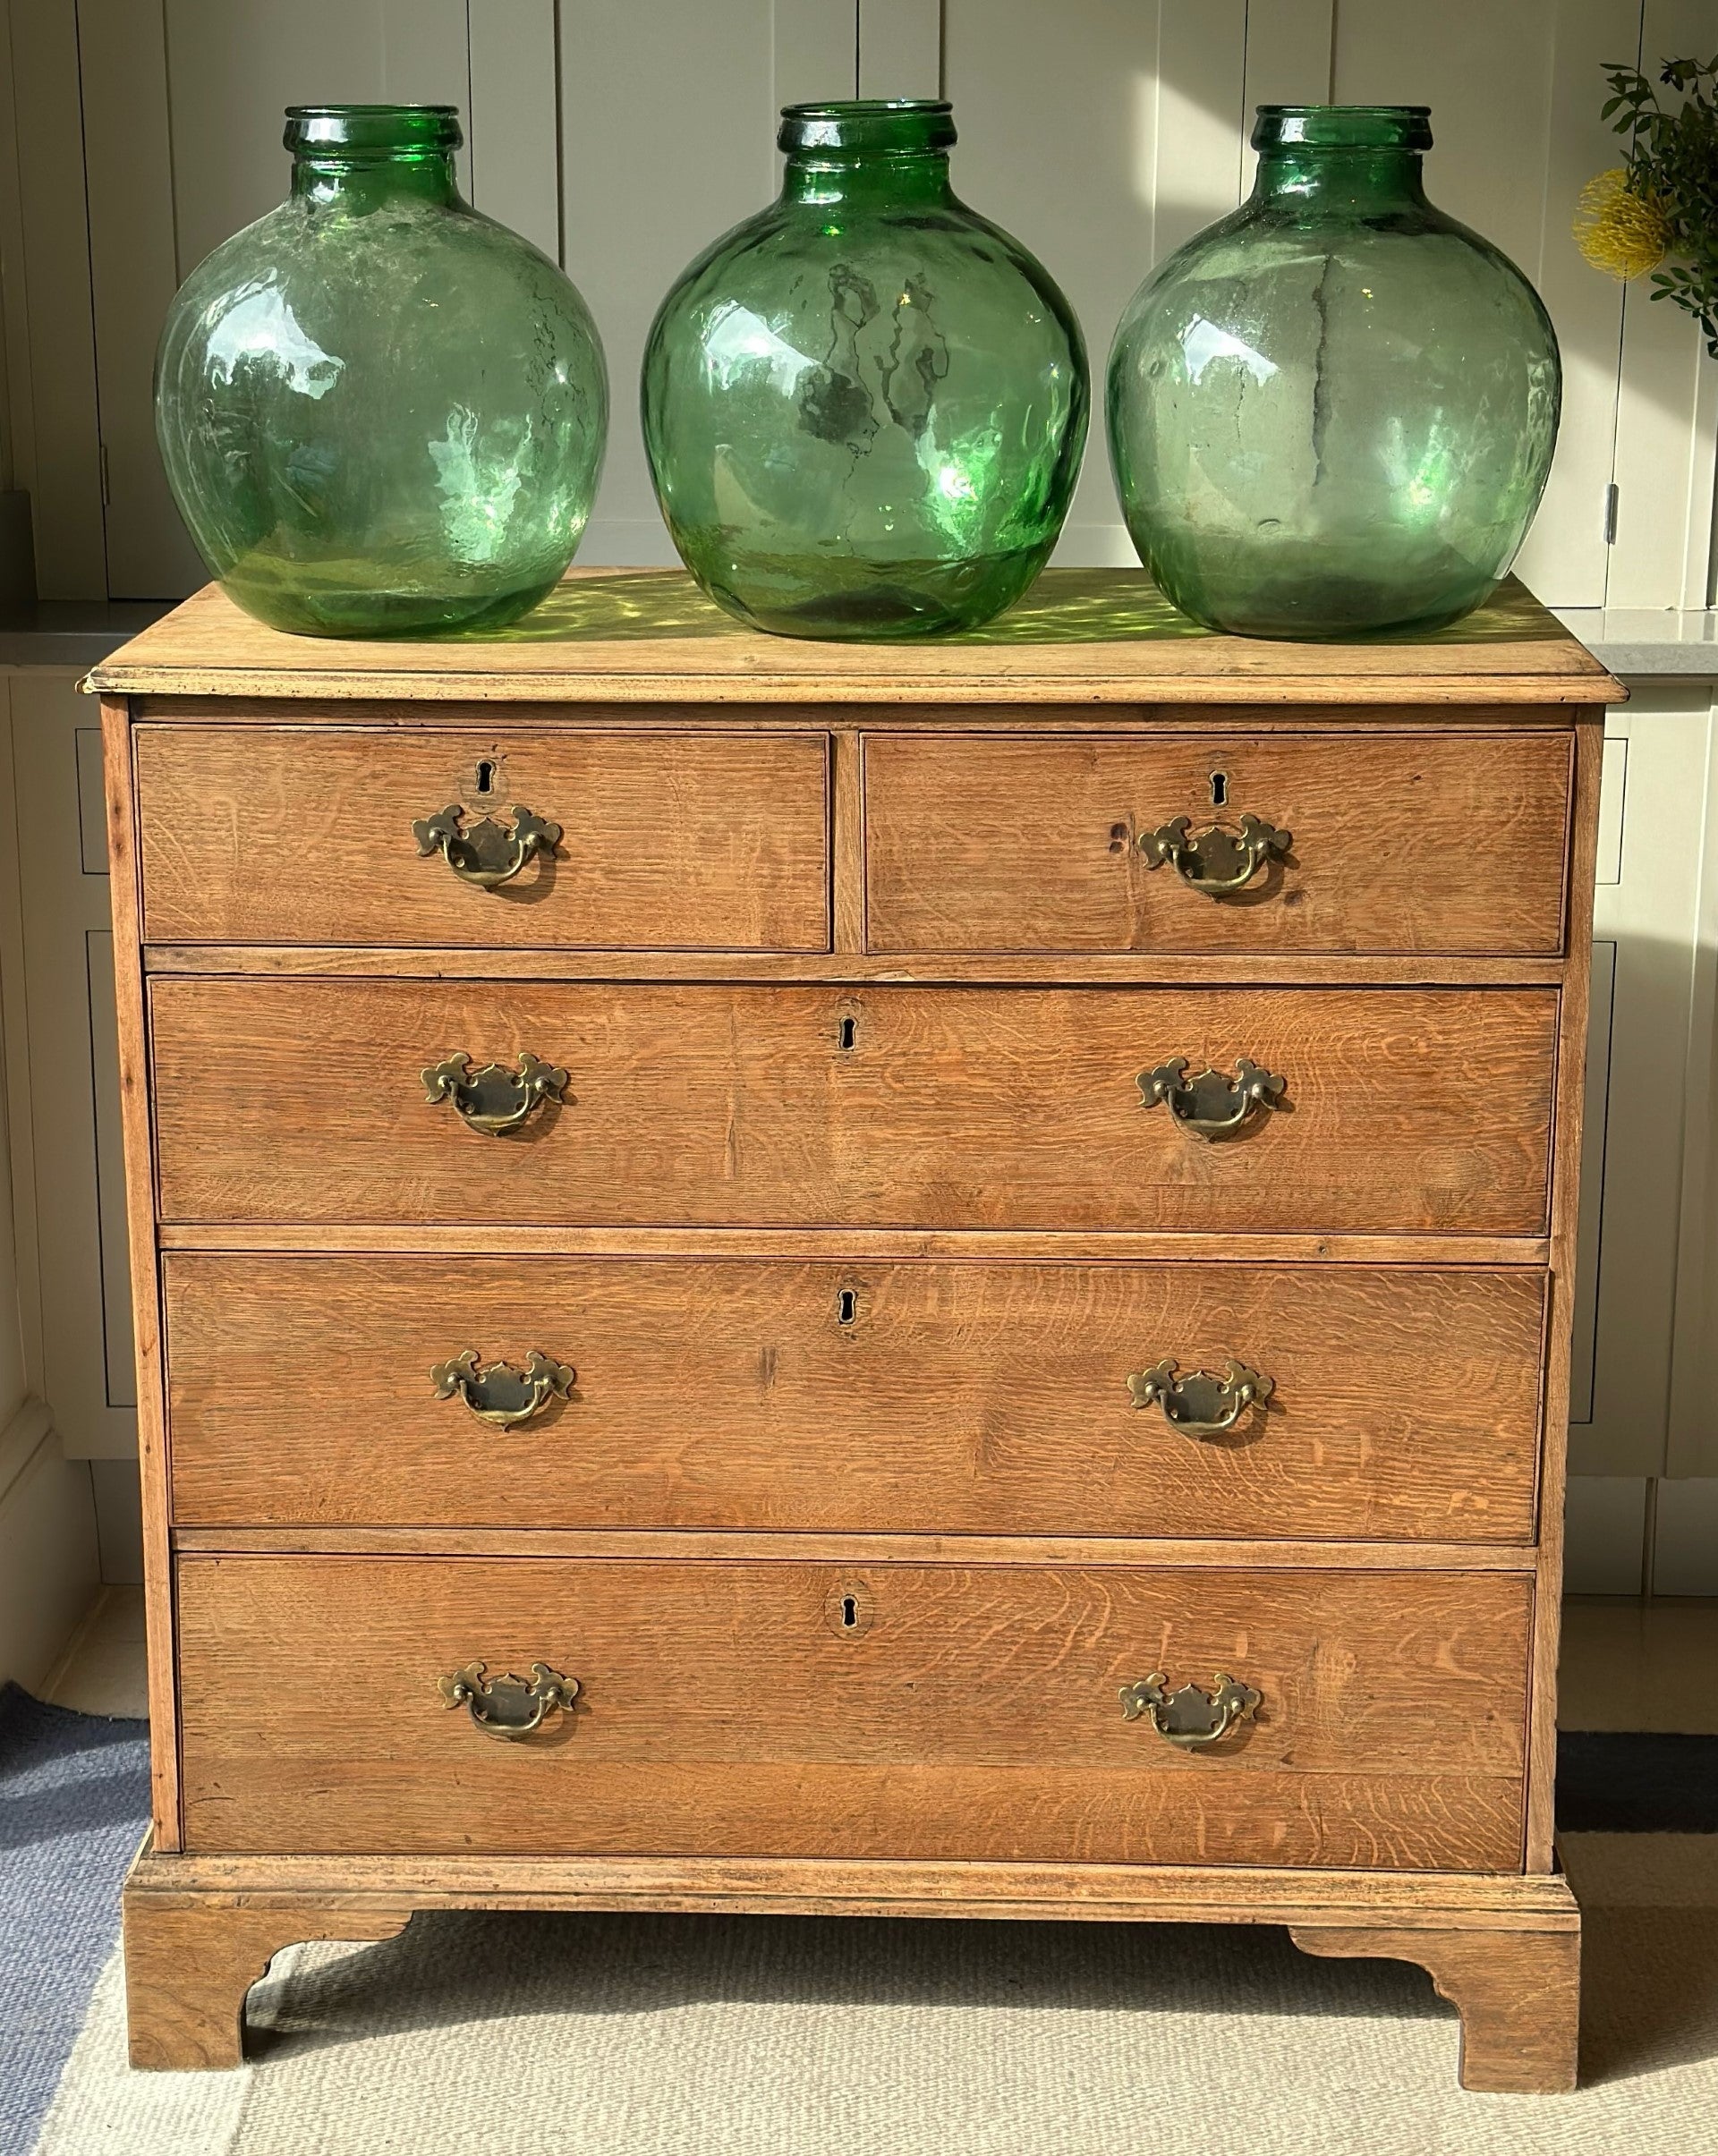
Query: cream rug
[[505, 2035]]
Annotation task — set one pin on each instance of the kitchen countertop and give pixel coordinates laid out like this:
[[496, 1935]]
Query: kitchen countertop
[[1644, 642]]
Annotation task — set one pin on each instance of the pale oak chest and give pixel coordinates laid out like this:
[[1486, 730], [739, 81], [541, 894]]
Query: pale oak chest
[[930, 1281]]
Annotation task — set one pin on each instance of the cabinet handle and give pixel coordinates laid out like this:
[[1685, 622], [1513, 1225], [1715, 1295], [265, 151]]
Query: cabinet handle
[[1189, 1717], [496, 1097], [1217, 861], [1200, 1406], [1213, 1104], [499, 1394], [508, 1706], [489, 853]]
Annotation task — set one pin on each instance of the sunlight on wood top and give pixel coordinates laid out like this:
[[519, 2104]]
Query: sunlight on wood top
[[1089, 635]]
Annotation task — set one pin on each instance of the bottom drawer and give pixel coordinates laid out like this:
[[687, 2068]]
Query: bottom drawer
[[778, 1708]]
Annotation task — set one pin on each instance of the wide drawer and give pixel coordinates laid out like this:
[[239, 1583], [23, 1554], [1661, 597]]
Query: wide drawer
[[306, 835], [731, 1707], [305, 1101], [914, 1396], [1413, 843]]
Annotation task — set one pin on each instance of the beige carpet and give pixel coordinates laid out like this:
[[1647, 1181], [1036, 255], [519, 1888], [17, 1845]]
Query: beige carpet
[[681, 2036]]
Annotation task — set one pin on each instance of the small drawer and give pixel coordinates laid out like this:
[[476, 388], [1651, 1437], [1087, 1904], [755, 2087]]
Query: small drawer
[[778, 1707], [918, 1397], [1404, 1110], [640, 841], [1359, 841]]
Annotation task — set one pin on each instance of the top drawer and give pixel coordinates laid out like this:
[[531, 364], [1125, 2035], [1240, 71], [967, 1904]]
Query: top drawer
[[1413, 842], [305, 834]]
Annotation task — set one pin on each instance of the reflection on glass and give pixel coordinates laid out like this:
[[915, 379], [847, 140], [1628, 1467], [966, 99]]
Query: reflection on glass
[[380, 413], [864, 408], [1333, 411]]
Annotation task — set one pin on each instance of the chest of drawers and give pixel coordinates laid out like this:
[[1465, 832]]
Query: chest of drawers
[[926, 1281]]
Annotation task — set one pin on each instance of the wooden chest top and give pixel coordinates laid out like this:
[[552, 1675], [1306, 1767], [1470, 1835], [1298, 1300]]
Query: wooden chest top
[[1081, 636]]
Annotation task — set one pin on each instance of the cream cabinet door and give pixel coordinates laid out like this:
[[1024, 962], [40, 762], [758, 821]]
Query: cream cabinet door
[[1647, 1095]]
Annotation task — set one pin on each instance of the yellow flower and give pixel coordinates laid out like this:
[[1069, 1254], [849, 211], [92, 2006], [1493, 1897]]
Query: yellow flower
[[1620, 232]]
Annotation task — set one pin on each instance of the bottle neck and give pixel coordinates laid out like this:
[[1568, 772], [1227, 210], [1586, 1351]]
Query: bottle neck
[[1360, 182], [359, 184], [828, 180]]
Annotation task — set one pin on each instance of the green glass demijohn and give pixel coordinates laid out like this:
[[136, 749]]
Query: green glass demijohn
[[864, 407], [381, 413], [1333, 411]]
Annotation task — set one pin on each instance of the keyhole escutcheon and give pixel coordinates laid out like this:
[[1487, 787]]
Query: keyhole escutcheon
[[849, 1609]]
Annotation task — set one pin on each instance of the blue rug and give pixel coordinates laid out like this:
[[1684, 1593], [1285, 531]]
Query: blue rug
[[74, 1799]]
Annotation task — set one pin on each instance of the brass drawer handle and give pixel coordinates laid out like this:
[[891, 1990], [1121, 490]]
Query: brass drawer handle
[[1213, 1104], [1189, 1717], [489, 853], [508, 1706], [494, 1099], [1200, 1406], [499, 1394], [1217, 861]]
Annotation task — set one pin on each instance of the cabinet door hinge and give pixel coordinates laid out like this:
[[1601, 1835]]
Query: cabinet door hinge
[[1610, 514], [107, 488]]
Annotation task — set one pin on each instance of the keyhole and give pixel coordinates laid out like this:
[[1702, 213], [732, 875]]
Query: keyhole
[[846, 1307], [848, 1028], [1219, 788], [485, 776], [849, 1611]]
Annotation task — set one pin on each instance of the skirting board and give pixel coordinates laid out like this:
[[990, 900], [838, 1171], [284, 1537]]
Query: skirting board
[[51, 1563]]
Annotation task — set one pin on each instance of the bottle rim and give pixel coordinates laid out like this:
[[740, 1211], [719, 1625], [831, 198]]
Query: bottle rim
[[373, 130], [897, 127], [1342, 127]]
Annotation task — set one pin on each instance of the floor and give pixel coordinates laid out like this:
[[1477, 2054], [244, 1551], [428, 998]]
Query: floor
[[1626, 1665], [101, 1671]]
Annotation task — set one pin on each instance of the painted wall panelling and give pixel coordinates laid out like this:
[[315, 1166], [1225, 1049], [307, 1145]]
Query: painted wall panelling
[[69, 1031], [1645, 916], [1153, 96], [626, 138], [514, 117], [1667, 413], [49, 1553], [52, 419], [1692, 1443]]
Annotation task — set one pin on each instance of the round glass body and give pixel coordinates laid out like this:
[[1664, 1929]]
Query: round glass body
[[864, 408], [380, 413], [1334, 411]]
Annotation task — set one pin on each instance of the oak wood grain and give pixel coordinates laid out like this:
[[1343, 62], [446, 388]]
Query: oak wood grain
[[955, 1888], [1446, 842], [1136, 969], [649, 635], [915, 1397], [205, 1924], [1518, 1994], [299, 703], [786, 1546], [139, 1156], [189, 1963], [1409, 1110], [1107, 1245], [711, 840], [1571, 1091], [972, 1712]]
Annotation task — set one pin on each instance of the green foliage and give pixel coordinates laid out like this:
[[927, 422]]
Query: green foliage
[[1672, 158]]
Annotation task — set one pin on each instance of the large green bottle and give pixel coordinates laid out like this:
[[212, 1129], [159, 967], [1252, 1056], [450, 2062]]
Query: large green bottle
[[1334, 411], [864, 408], [381, 412]]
